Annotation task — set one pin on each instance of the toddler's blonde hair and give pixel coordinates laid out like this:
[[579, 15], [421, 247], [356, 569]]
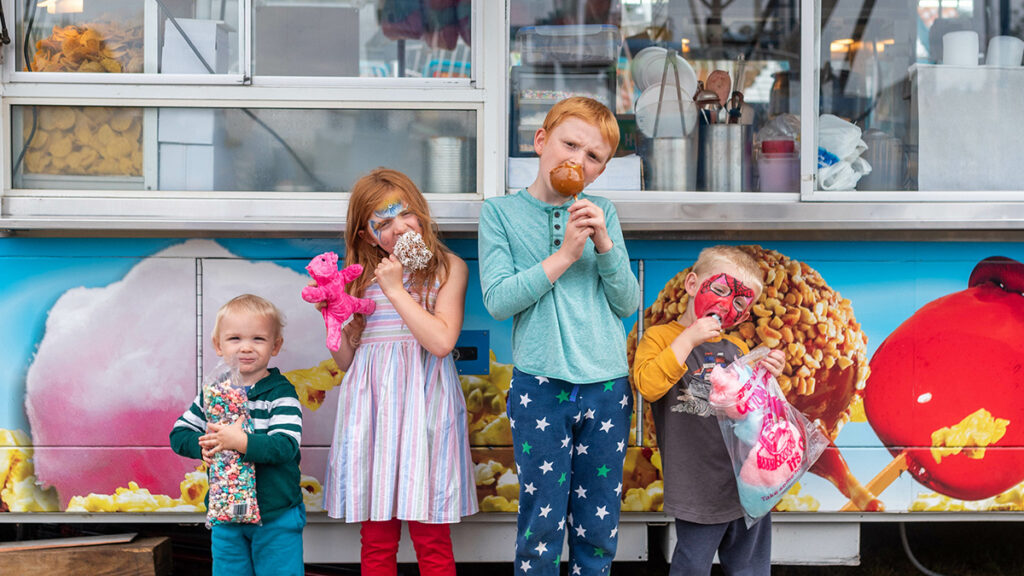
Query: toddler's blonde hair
[[250, 304]]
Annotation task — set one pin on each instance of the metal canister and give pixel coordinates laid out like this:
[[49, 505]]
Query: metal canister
[[670, 164], [450, 166], [726, 158]]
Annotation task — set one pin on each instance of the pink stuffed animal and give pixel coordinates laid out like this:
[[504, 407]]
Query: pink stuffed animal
[[330, 288]]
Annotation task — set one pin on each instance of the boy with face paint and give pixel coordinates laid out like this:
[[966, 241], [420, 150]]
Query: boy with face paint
[[671, 369]]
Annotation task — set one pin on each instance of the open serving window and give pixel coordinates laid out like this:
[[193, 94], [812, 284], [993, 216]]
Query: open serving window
[[918, 100], [692, 84], [759, 103]]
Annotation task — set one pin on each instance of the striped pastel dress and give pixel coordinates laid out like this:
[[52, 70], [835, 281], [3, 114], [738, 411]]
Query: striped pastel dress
[[400, 447]]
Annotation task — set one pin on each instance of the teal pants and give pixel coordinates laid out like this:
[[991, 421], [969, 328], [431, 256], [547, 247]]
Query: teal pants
[[271, 549]]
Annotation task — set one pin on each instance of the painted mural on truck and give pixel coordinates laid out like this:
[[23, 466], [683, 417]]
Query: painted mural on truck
[[907, 354]]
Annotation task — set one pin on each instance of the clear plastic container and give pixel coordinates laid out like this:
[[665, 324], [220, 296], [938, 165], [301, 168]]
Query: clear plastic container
[[590, 44]]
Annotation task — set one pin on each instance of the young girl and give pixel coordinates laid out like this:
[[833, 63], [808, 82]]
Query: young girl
[[401, 448]]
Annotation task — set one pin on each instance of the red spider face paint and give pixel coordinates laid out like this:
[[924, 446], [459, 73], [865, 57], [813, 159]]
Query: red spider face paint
[[725, 297]]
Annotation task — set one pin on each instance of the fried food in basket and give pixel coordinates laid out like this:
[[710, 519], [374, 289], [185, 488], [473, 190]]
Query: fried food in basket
[[112, 46], [83, 140]]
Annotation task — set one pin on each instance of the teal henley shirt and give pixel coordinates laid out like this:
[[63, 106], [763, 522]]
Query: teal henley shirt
[[572, 329]]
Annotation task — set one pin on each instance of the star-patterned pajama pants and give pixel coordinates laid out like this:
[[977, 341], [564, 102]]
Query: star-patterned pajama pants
[[570, 442]]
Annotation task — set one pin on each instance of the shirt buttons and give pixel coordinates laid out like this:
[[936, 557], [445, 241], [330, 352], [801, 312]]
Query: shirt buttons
[[558, 226], [558, 214], [558, 242]]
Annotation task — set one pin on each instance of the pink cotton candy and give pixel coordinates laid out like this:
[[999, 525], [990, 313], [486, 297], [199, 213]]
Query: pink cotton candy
[[777, 455], [727, 393]]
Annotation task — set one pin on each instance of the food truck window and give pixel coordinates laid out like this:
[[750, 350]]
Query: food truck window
[[323, 38], [672, 71], [125, 39], [375, 39], [920, 97], [239, 149]]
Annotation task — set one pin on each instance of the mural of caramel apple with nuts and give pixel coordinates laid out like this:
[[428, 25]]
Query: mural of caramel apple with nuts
[[826, 352]]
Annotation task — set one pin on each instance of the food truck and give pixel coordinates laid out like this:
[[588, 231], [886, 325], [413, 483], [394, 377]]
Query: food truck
[[163, 156]]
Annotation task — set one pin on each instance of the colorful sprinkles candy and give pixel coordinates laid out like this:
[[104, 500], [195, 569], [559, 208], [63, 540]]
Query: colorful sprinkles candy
[[232, 496]]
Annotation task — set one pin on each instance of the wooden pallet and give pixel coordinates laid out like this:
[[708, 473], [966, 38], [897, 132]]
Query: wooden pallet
[[88, 556]]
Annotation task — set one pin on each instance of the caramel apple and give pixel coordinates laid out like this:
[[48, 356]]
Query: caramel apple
[[951, 421], [567, 178]]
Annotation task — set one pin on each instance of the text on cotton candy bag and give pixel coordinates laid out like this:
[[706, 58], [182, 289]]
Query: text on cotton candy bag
[[771, 444]]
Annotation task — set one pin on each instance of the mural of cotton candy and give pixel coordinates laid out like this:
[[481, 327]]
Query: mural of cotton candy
[[117, 365], [304, 347]]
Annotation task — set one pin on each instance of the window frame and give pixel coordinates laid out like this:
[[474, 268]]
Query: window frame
[[311, 212]]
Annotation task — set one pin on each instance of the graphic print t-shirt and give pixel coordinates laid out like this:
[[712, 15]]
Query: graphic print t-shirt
[[699, 482]]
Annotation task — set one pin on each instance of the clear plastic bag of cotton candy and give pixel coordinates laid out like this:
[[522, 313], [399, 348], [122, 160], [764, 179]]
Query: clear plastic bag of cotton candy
[[770, 442], [232, 481]]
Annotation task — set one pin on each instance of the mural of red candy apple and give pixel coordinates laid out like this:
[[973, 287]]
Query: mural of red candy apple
[[959, 354]]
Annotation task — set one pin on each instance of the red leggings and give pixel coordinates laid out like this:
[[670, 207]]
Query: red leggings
[[433, 544]]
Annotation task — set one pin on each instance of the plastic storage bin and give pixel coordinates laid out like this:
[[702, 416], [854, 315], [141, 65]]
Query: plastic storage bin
[[589, 44], [965, 123]]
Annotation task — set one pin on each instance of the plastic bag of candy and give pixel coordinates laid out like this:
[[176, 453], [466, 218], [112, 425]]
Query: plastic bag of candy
[[770, 442], [232, 495]]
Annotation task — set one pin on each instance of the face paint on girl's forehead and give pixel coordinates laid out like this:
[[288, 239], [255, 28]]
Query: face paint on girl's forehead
[[389, 209]]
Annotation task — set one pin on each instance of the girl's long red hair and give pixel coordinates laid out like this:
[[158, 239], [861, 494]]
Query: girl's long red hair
[[368, 193]]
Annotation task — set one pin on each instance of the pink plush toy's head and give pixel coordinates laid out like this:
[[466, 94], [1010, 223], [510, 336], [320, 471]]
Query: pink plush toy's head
[[323, 267]]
